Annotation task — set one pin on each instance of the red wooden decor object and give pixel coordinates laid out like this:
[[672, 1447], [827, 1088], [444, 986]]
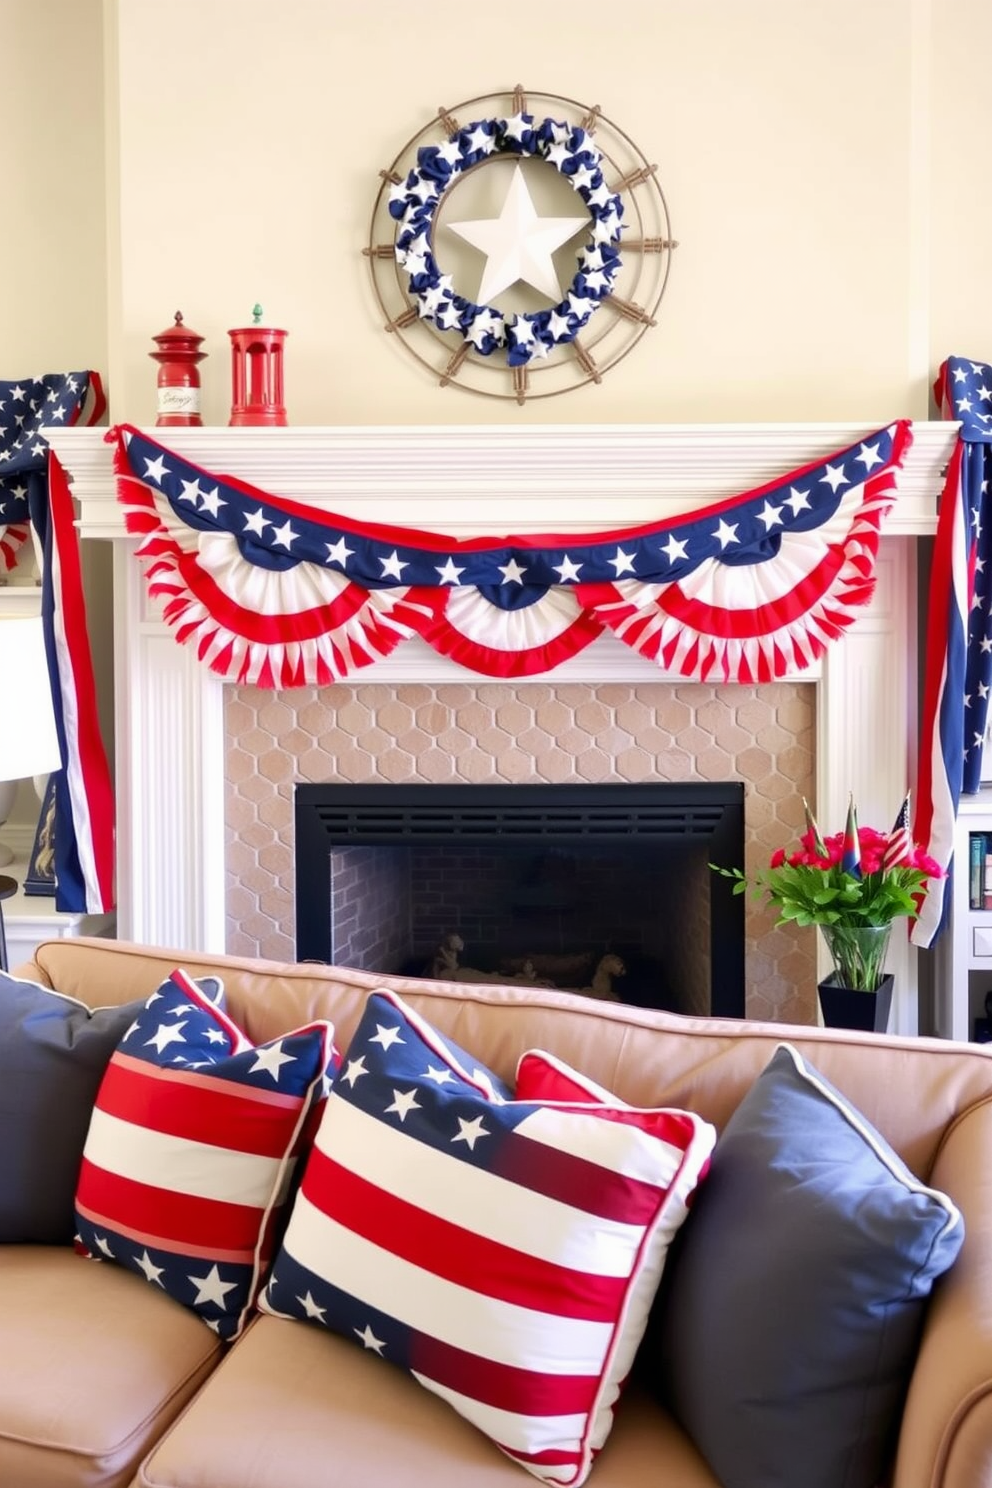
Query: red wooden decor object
[[256, 373], [178, 377]]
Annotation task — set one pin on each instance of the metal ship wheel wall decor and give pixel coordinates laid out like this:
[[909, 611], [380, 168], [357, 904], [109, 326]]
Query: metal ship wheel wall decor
[[519, 245]]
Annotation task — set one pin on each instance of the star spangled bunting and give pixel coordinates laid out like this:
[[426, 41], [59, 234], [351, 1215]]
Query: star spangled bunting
[[26, 405], [33, 496], [958, 672], [279, 594]]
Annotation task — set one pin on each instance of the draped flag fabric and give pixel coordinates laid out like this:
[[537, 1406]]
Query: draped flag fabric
[[278, 594], [34, 497], [958, 671]]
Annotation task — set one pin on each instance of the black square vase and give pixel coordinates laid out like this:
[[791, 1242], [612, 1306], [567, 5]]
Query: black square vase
[[843, 1007]]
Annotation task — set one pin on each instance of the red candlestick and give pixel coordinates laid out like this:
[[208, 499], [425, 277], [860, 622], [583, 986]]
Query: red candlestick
[[178, 378], [256, 374]]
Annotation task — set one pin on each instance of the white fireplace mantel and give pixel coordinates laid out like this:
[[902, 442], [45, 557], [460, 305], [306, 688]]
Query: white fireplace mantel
[[471, 481]]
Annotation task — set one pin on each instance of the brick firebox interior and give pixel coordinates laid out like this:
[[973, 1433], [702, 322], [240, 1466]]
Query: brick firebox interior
[[492, 732]]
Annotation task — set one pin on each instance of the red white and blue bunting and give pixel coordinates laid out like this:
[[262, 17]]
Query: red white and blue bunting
[[26, 405], [278, 594], [35, 500]]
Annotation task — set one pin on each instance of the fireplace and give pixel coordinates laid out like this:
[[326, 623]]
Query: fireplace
[[607, 886], [205, 770]]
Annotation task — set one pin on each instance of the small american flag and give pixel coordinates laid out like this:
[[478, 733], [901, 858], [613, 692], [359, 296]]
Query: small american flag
[[851, 854], [899, 848]]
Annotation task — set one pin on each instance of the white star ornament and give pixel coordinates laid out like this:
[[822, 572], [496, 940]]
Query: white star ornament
[[518, 244]]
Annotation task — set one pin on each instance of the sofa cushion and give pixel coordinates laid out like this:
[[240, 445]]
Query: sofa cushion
[[191, 1148], [95, 1366], [790, 1315], [293, 1407], [53, 1053], [505, 1252]]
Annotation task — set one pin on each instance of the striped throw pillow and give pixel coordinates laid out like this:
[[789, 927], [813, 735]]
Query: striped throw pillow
[[504, 1252], [191, 1149]]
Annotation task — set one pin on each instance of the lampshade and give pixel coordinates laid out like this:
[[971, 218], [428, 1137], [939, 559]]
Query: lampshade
[[29, 744]]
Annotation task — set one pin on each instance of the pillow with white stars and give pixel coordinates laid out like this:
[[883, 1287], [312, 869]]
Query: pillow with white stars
[[191, 1149], [503, 1251]]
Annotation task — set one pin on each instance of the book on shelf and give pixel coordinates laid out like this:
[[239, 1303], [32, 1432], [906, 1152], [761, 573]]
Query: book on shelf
[[979, 870]]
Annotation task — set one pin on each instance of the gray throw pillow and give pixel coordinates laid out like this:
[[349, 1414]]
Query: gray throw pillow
[[53, 1052], [790, 1314]]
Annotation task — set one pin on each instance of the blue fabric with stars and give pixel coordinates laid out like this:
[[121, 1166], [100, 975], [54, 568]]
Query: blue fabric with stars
[[512, 574], [26, 405], [968, 397]]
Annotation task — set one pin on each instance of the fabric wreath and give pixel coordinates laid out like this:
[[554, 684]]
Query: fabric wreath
[[414, 202]]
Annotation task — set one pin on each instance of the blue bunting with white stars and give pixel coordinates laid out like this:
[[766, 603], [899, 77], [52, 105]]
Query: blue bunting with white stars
[[26, 405], [958, 679], [278, 594], [413, 203]]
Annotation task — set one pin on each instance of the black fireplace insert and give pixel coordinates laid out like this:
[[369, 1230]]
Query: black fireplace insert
[[561, 882]]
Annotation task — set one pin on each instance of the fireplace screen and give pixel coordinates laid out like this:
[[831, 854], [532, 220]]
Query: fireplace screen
[[602, 889]]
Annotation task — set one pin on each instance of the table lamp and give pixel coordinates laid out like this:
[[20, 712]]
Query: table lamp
[[29, 743]]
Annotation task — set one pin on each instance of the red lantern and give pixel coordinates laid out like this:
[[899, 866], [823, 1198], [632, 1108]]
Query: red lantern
[[178, 378], [256, 373]]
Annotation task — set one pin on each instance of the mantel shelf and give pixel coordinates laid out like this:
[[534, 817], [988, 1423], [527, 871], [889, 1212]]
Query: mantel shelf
[[472, 480]]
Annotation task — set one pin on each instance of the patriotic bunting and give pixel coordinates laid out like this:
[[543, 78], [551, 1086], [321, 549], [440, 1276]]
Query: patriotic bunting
[[25, 407], [958, 670], [279, 594], [34, 495]]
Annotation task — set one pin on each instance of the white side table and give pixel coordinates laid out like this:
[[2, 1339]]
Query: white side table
[[29, 919]]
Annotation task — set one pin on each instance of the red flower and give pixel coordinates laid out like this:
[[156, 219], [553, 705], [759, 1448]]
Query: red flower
[[778, 858]]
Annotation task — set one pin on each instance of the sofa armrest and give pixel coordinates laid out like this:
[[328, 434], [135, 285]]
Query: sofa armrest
[[946, 1435]]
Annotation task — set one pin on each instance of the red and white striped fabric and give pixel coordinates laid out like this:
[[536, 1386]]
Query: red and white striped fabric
[[279, 593], [191, 1149], [503, 1251]]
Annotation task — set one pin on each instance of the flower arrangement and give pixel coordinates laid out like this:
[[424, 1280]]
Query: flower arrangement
[[852, 884]]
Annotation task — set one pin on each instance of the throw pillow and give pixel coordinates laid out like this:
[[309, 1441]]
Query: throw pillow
[[53, 1052], [790, 1315], [191, 1149], [503, 1251]]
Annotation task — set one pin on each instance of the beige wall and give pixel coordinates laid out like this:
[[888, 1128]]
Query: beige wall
[[794, 144], [52, 249], [53, 238], [818, 161]]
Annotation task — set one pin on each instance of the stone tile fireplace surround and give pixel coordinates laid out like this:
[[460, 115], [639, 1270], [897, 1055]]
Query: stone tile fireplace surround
[[205, 771], [525, 733]]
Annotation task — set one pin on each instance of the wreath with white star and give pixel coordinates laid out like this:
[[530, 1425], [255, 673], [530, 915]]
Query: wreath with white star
[[414, 201]]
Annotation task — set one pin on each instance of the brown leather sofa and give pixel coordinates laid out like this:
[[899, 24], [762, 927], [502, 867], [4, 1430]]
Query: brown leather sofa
[[104, 1382]]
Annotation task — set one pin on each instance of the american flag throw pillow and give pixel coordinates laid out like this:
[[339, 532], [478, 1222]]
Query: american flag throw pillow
[[191, 1149], [504, 1252]]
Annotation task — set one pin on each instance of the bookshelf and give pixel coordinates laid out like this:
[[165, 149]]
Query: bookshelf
[[964, 950]]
